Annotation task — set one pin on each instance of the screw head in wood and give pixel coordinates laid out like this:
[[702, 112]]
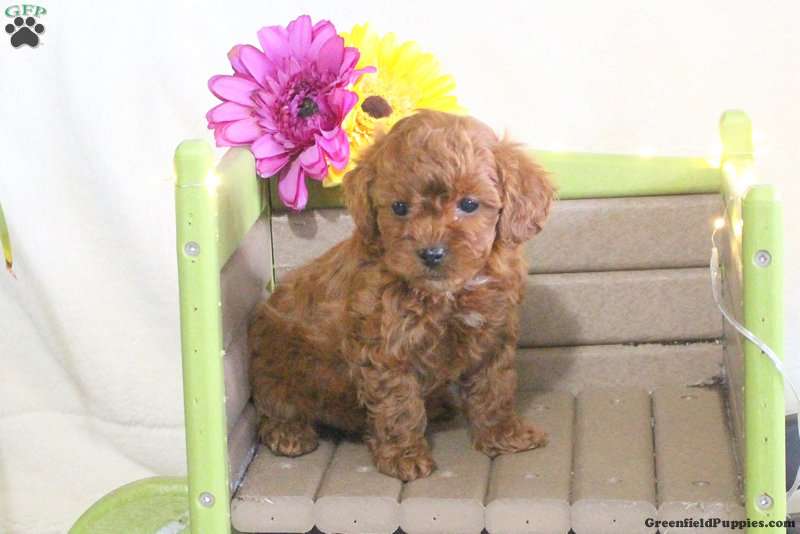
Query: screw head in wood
[[206, 499], [764, 502], [191, 249], [762, 258]]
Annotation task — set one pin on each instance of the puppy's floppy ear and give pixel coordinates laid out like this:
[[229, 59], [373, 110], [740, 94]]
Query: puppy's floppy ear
[[527, 193], [355, 185]]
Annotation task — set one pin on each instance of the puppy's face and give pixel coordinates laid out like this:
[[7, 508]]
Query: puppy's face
[[437, 192], [437, 207]]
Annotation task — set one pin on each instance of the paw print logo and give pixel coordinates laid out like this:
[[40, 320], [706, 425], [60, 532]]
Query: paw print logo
[[24, 32]]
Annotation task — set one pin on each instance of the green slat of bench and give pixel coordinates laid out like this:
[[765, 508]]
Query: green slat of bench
[[583, 175]]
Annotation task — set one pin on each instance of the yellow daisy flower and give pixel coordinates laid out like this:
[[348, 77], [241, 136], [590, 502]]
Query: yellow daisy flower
[[407, 79]]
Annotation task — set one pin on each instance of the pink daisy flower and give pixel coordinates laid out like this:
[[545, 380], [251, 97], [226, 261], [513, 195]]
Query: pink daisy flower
[[288, 103]]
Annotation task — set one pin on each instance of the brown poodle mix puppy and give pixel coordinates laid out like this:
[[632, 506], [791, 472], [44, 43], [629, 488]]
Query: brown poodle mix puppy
[[369, 337]]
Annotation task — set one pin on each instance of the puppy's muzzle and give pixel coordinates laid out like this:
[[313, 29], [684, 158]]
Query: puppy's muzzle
[[432, 256]]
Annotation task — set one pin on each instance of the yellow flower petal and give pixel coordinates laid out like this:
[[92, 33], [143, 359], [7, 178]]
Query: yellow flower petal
[[406, 78]]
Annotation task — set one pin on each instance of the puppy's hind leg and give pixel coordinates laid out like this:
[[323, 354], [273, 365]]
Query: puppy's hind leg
[[286, 425], [280, 387], [291, 437]]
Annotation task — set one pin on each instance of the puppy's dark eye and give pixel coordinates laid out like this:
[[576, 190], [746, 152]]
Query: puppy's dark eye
[[468, 205], [400, 208]]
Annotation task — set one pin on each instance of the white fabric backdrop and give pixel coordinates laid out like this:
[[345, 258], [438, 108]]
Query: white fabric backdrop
[[90, 392]]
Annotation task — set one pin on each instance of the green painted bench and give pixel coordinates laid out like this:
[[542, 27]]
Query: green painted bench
[[656, 408]]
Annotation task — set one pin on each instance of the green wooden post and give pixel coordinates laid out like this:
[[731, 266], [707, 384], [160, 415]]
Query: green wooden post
[[201, 339], [762, 259], [760, 217]]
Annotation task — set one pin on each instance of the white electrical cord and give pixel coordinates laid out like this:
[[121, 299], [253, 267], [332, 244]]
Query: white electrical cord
[[765, 349]]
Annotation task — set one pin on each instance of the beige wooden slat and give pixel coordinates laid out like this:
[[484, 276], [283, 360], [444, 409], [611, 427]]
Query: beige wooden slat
[[243, 279], [354, 497], [529, 491], [243, 283], [560, 309], [625, 234], [581, 235], [613, 488], [242, 444], [646, 366], [694, 458], [277, 493], [618, 307], [451, 499], [301, 237], [731, 267], [235, 365], [734, 372]]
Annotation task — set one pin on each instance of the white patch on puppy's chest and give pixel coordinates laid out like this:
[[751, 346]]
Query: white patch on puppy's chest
[[472, 319], [477, 282]]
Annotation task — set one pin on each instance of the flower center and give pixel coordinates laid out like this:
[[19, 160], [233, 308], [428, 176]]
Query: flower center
[[307, 108], [376, 107]]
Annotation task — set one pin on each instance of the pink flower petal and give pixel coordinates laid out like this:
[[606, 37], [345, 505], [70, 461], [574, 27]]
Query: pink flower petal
[[350, 100], [341, 102], [358, 73], [267, 98], [267, 147], [292, 187], [292, 67], [281, 138], [273, 85], [274, 42], [233, 88], [313, 162], [329, 134], [266, 122], [323, 30], [336, 147], [236, 63], [321, 26], [270, 166], [228, 111], [242, 131], [330, 55], [221, 140], [350, 57], [256, 63], [300, 35]]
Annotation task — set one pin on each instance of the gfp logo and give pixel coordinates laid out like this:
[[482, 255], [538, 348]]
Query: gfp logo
[[24, 29]]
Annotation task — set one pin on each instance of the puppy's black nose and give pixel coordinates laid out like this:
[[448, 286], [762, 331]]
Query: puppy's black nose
[[432, 256]]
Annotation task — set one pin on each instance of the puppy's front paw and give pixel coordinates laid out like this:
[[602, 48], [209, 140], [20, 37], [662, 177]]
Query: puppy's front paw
[[407, 464], [513, 436], [290, 438]]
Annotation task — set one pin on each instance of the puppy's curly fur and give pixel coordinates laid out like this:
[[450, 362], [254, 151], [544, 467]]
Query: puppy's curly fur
[[369, 336]]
